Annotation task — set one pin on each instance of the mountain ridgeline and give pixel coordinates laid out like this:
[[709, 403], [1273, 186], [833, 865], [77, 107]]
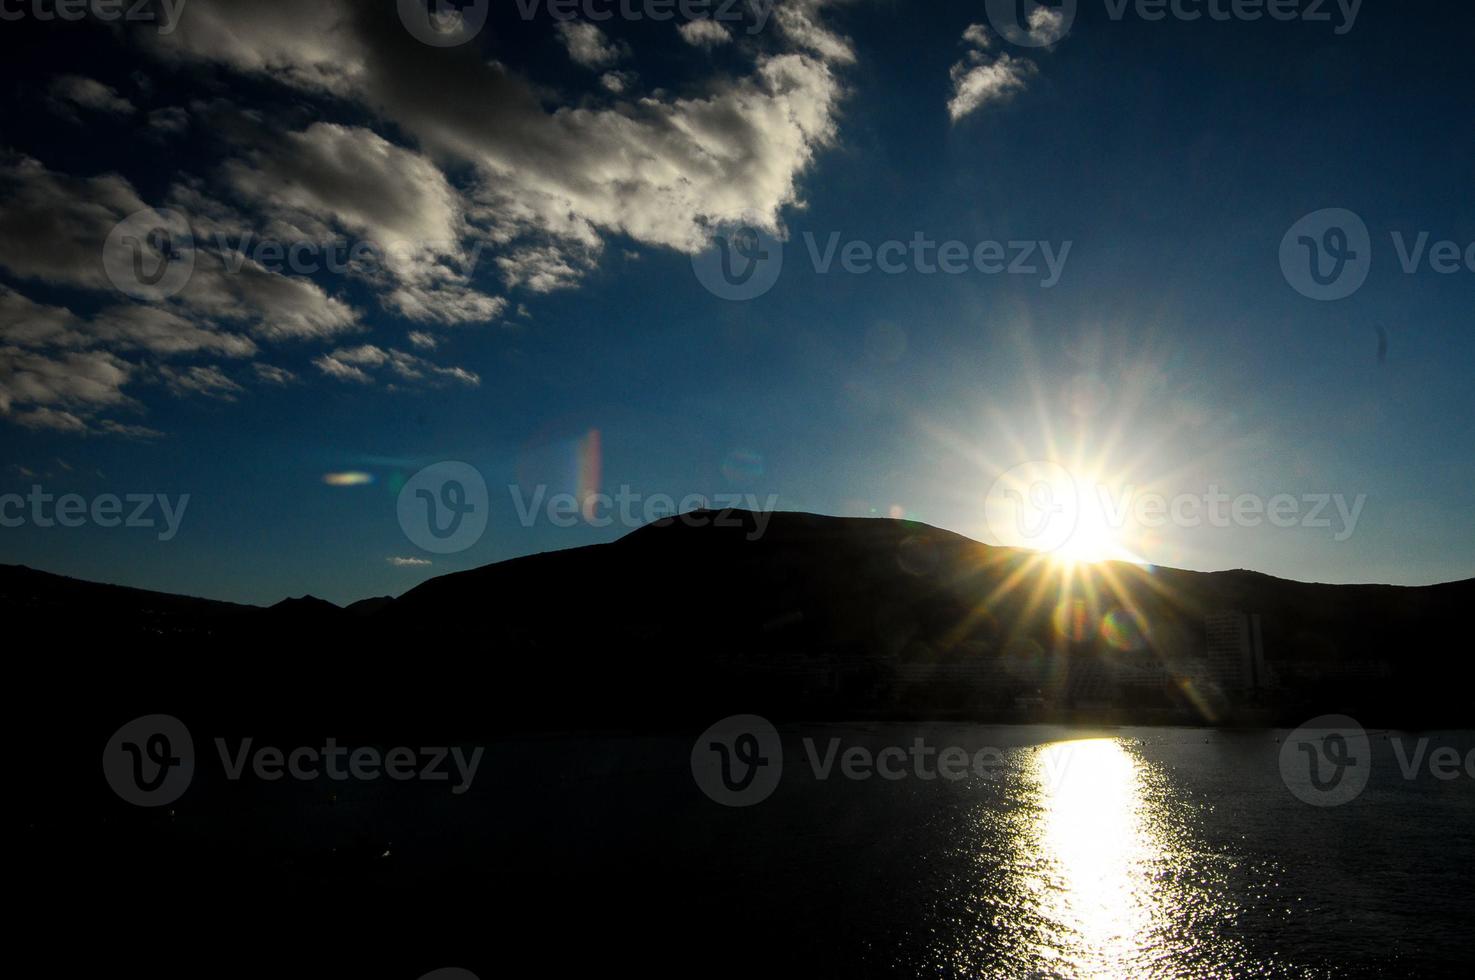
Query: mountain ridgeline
[[814, 617]]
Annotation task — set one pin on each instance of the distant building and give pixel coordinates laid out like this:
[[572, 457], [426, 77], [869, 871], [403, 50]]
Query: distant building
[[1235, 655]]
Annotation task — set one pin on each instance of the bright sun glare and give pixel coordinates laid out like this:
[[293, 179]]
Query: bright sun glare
[[1045, 507]]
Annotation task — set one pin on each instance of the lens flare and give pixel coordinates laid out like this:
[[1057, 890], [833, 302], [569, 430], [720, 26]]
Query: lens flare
[[353, 478]]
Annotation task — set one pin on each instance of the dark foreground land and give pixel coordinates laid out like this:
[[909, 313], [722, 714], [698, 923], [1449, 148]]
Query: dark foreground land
[[815, 617], [585, 845]]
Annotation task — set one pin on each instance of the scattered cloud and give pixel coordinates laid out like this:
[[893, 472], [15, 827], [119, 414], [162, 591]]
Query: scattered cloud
[[328, 181], [705, 33], [170, 119], [112, 428], [49, 418], [617, 82], [399, 562], [984, 78], [1046, 25], [506, 187], [273, 375], [800, 22], [356, 363], [69, 92], [587, 45], [200, 379]]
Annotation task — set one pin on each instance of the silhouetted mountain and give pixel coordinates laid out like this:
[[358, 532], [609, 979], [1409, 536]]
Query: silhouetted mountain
[[304, 612], [65, 607], [369, 607], [807, 616]]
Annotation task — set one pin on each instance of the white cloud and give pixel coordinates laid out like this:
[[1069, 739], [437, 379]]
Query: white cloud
[[53, 228], [170, 119], [307, 45], [73, 379], [88, 93], [587, 45], [330, 179], [162, 331], [273, 375], [333, 367], [200, 379], [128, 431], [399, 562], [25, 323], [983, 79], [357, 363], [617, 81], [450, 153], [704, 33], [661, 170], [1046, 25], [978, 36], [49, 418], [800, 21]]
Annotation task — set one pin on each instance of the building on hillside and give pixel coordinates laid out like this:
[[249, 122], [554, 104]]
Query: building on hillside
[[1234, 656]]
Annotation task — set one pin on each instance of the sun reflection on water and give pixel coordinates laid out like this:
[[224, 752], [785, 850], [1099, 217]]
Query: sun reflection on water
[[1089, 859], [1096, 852]]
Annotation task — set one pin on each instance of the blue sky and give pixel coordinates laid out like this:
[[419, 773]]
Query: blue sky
[[585, 165]]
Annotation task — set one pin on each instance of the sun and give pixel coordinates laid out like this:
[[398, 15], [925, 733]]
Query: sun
[[1046, 507], [1093, 539]]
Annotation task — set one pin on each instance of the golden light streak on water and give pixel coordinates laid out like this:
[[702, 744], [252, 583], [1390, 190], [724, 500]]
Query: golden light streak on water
[[1096, 851]]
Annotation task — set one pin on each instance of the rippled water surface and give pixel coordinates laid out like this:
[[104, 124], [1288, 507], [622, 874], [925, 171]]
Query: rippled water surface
[[1133, 853]]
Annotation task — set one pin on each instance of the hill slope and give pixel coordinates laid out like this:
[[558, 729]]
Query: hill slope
[[814, 616]]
